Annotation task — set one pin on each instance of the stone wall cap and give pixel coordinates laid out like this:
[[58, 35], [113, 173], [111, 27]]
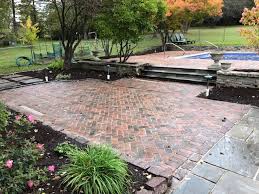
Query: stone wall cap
[[239, 73]]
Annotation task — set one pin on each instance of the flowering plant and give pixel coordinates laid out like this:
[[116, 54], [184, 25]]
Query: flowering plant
[[251, 18], [19, 155]]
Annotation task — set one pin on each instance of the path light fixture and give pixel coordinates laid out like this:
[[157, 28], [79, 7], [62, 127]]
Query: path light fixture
[[108, 70], [208, 78], [46, 76]]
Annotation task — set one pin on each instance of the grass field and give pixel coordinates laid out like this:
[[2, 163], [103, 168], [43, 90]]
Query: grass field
[[221, 36]]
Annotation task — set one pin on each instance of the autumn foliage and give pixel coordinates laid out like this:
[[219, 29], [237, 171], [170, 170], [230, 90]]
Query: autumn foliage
[[251, 18], [183, 12]]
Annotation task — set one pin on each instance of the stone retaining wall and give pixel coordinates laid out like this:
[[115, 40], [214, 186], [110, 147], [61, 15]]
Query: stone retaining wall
[[129, 69], [238, 79]]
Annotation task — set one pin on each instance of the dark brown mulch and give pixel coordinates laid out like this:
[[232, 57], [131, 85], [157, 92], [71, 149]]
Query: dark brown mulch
[[76, 74], [50, 138], [236, 95]]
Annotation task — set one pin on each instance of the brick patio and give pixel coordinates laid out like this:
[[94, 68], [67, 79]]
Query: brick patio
[[162, 123]]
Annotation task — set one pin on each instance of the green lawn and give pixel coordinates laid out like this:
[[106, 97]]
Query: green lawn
[[220, 36]]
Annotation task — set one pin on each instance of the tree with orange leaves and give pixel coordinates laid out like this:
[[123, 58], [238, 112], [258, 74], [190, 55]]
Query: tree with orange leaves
[[181, 13], [251, 18]]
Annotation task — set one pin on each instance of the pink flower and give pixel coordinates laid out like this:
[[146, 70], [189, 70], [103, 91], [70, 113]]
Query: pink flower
[[17, 117], [40, 146], [9, 164], [30, 184], [51, 168], [31, 119]]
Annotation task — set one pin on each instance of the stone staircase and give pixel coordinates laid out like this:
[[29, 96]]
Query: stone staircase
[[179, 74]]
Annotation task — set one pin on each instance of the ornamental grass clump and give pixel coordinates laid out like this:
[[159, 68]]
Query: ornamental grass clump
[[97, 169]]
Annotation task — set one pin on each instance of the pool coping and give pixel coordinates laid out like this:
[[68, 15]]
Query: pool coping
[[203, 53]]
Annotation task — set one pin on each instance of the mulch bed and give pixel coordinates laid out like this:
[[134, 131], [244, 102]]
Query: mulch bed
[[236, 95], [50, 138], [76, 74]]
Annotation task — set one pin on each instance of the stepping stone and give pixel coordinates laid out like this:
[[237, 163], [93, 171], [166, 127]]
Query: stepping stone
[[233, 155], [3, 81], [8, 85], [194, 185], [31, 81], [20, 78], [11, 76], [209, 172], [236, 184]]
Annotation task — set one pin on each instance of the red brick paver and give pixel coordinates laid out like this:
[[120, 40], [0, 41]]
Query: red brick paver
[[162, 123]]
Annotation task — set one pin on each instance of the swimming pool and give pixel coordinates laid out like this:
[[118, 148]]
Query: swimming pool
[[228, 56]]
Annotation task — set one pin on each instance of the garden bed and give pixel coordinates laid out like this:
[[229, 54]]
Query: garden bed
[[248, 96], [76, 74], [39, 135]]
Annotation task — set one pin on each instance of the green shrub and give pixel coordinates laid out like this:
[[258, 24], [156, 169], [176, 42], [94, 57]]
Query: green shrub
[[97, 169], [24, 156], [3, 117], [65, 148], [21, 155], [57, 65], [61, 76]]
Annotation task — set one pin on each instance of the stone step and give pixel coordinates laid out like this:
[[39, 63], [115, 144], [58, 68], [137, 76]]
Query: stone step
[[172, 77], [178, 74], [199, 74], [181, 70]]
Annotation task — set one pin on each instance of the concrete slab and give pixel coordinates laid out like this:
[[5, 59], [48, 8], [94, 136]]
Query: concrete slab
[[231, 183], [194, 185], [20, 78], [8, 85], [240, 131], [31, 81], [11, 76], [233, 155], [209, 172], [3, 81], [254, 112]]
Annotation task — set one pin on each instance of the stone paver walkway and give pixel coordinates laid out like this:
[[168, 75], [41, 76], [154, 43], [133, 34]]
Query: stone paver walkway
[[17, 80], [231, 166], [161, 123]]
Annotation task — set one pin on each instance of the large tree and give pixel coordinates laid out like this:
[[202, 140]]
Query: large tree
[[124, 21], [27, 8], [5, 14], [75, 17], [14, 17], [233, 9], [184, 12], [181, 13]]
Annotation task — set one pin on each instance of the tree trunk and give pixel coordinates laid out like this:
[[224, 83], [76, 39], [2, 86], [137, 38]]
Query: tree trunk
[[14, 18], [164, 37], [185, 26], [68, 58], [34, 14]]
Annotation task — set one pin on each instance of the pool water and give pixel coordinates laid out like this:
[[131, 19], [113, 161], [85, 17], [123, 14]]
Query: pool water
[[230, 56]]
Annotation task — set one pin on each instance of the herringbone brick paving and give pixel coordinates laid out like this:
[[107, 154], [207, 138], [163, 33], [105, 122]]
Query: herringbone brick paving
[[163, 123]]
